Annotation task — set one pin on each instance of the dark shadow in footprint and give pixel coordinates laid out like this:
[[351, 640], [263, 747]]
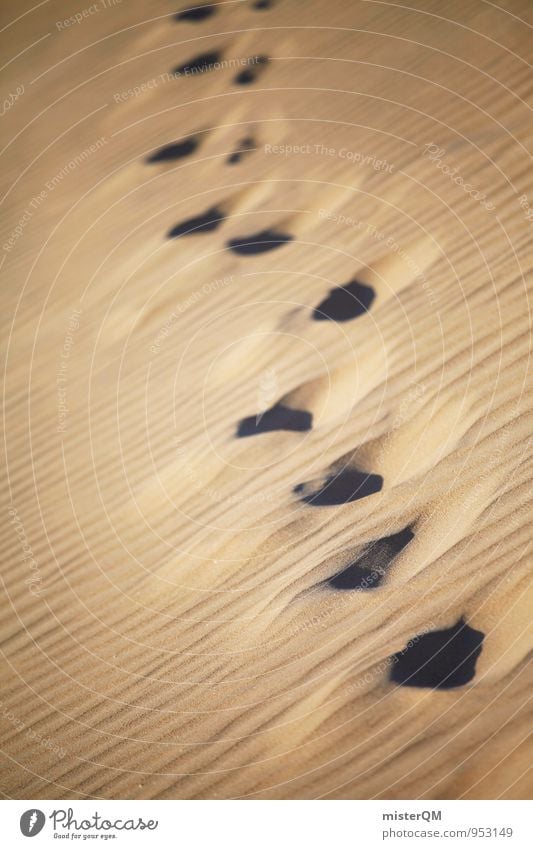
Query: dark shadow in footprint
[[244, 146], [440, 660], [176, 150], [368, 570], [210, 220], [200, 64], [195, 13], [250, 74], [341, 488], [259, 243], [345, 303], [277, 418], [262, 4]]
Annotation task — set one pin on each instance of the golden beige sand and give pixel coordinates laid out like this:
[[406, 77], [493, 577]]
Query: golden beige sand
[[169, 625]]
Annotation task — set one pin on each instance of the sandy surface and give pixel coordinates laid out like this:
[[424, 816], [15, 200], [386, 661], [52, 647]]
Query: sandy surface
[[197, 601]]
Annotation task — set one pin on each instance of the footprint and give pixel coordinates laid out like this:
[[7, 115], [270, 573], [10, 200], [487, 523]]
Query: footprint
[[205, 223], [201, 63], [176, 150], [262, 4], [368, 570], [250, 74], [258, 243], [278, 417], [440, 660], [340, 488], [244, 146], [345, 303], [195, 13]]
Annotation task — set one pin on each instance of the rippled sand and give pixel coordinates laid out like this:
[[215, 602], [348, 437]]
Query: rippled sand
[[266, 269]]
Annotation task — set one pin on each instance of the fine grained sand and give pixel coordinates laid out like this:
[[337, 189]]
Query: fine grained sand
[[265, 536]]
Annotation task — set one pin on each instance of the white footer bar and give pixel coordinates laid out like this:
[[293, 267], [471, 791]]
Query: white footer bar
[[267, 824]]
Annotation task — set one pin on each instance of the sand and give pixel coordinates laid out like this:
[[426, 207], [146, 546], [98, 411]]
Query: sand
[[266, 331]]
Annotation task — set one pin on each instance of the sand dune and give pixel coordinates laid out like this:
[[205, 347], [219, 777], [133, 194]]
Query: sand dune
[[266, 331]]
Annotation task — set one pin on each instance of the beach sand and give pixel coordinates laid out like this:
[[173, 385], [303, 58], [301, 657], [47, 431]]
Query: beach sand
[[266, 326]]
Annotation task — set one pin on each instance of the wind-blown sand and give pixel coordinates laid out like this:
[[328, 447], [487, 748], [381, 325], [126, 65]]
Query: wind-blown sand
[[266, 272]]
